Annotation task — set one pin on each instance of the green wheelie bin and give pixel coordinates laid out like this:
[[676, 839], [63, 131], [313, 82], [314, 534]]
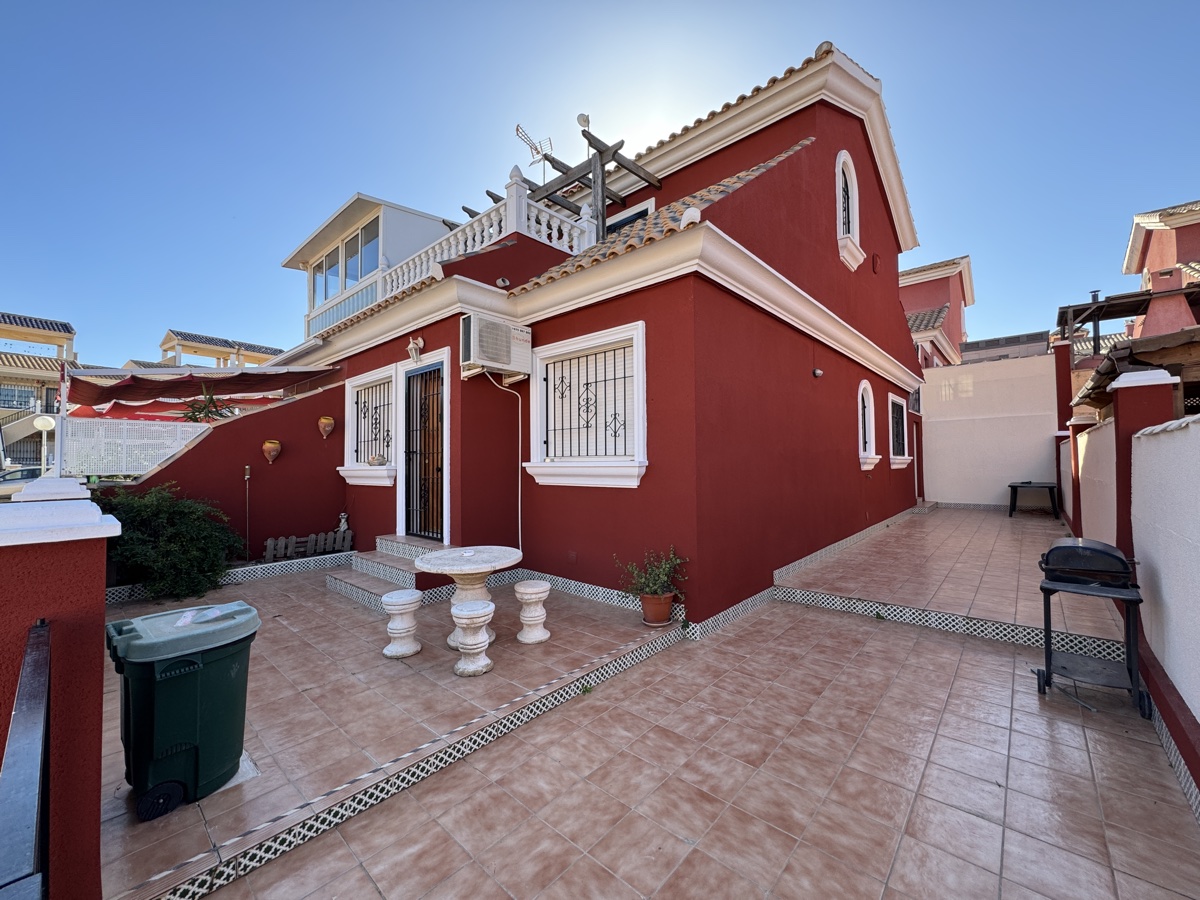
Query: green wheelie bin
[[183, 700]]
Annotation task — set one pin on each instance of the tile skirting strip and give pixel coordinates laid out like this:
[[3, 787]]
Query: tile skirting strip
[[1025, 635]]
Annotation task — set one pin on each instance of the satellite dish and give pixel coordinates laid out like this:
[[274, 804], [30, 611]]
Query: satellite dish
[[583, 120]]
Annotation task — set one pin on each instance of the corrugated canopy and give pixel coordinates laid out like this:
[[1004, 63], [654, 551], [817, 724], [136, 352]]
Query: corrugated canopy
[[92, 387]]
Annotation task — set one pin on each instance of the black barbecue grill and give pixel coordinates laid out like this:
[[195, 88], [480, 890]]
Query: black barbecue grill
[[1095, 569]]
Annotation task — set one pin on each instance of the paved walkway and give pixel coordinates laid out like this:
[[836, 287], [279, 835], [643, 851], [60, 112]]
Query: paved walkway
[[798, 753], [978, 563]]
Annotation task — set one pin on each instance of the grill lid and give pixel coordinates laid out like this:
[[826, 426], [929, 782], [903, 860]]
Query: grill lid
[[1084, 561]]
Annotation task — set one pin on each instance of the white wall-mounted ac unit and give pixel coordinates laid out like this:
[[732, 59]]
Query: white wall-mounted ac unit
[[494, 344]]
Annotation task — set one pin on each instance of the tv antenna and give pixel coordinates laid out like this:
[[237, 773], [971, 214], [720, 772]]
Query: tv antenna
[[537, 149]]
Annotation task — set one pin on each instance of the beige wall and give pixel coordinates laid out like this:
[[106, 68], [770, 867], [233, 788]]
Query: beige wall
[[987, 424], [1098, 482], [1166, 541], [1064, 476]]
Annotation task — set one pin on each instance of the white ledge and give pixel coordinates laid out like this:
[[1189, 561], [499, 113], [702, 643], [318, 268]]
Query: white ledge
[[901, 462], [867, 463], [591, 473], [379, 476], [852, 254], [55, 520]]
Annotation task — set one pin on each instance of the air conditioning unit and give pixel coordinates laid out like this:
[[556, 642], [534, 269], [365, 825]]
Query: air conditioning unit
[[495, 345]]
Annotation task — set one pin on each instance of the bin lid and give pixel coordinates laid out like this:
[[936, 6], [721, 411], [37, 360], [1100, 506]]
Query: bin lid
[[181, 631]]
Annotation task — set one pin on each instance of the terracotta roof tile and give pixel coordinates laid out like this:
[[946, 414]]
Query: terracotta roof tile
[[1193, 206], [931, 267], [927, 319], [20, 321], [823, 49], [659, 224]]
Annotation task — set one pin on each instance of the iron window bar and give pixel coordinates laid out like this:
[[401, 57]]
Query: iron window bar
[[588, 402]]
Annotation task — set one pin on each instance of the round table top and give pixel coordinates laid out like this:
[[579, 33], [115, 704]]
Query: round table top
[[468, 560]]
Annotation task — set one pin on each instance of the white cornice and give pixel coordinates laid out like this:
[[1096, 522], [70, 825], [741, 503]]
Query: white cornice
[[938, 338], [704, 249], [836, 79]]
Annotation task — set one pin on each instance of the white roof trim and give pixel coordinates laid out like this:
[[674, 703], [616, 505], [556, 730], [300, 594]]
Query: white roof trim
[[349, 214], [938, 338], [834, 78], [1151, 221], [949, 268]]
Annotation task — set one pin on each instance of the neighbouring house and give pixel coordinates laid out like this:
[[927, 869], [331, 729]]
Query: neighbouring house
[[935, 298], [710, 353], [29, 382], [177, 344]]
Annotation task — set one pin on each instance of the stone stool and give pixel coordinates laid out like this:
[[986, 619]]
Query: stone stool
[[533, 613], [402, 607], [471, 620]]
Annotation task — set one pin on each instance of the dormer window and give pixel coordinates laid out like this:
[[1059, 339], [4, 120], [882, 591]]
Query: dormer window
[[849, 248], [346, 264]]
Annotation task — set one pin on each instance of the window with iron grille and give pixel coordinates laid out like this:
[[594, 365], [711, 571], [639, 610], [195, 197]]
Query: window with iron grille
[[588, 409], [898, 427], [588, 402], [373, 423]]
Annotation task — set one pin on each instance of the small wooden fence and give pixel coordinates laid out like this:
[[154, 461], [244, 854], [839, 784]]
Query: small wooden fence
[[313, 545]]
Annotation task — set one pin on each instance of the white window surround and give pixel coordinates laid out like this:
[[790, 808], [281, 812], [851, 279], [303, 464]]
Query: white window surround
[[385, 476], [624, 472], [904, 460], [360, 472], [867, 458], [849, 246]]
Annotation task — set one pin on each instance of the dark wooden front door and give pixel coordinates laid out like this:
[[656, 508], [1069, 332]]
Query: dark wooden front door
[[423, 453]]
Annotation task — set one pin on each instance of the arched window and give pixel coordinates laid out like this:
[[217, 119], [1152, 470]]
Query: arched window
[[848, 232], [867, 457]]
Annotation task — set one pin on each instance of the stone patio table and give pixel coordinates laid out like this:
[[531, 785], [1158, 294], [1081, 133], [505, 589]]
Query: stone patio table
[[470, 568]]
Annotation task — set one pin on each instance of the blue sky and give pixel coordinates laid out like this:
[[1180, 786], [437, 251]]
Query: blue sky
[[160, 160]]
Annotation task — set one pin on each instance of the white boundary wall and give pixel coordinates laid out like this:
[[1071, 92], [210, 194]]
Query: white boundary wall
[[1166, 540], [986, 424], [1098, 482]]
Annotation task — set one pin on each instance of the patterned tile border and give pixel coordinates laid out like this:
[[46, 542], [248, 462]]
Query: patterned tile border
[[385, 784], [398, 577], [1025, 635], [242, 574], [1190, 791], [1002, 507], [791, 568], [695, 631]]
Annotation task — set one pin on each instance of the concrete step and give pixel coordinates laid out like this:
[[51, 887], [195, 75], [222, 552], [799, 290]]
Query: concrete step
[[360, 586], [399, 570], [407, 546]]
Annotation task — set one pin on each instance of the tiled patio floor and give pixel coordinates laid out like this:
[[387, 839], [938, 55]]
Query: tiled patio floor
[[798, 753], [325, 706], [978, 563]]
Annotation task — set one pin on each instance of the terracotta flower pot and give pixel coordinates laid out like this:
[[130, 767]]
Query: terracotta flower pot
[[271, 450], [656, 609], [325, 426]]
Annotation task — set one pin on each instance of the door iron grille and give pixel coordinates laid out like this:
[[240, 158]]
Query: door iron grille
[[588, 402], [373, 414], [423, 454]]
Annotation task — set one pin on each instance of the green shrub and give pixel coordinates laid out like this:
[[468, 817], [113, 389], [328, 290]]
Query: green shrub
[[658, 574], [173, 546]]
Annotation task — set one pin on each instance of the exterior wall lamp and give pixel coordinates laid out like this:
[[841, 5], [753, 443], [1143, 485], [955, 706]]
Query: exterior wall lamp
[[415, 346]]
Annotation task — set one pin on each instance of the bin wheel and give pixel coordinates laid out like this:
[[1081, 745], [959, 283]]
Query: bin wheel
[[159, 800], [1041, 678], [1145, 707]]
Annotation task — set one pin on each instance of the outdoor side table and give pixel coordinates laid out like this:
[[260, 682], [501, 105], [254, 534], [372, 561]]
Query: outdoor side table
[[470, 568], [1014, 486]]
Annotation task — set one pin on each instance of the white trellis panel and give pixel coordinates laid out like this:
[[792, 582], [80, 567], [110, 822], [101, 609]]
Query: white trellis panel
[[120, 446]]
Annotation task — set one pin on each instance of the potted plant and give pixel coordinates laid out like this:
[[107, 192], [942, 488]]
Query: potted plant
[[654, 581]]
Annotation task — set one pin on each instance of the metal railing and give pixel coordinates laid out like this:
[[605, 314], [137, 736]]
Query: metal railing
[[24, 781]]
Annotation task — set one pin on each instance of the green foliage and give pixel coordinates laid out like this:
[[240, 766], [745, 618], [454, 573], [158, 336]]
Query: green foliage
[[657, 574], [173, 546], [207, 408]]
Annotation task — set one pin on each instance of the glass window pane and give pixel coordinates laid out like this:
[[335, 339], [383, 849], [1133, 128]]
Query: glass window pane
[[352, 261], [333, 273], [370, 248], [898, 433], [318, 284]]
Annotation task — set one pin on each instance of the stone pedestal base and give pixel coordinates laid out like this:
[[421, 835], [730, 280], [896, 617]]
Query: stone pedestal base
[[471, 620], [402, 626], [533, 613]]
